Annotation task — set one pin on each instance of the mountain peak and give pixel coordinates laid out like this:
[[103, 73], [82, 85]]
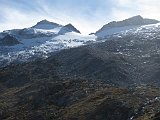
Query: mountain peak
[[45, 24], [137, 17], [135, 20], [69, 25], [68, 28], [130, 22], [44, 21]]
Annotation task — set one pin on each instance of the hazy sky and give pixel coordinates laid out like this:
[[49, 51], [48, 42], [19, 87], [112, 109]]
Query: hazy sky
[[86, 15]]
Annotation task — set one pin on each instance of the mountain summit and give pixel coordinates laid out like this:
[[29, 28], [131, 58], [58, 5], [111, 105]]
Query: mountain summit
[[68, 28], [45, 24], [136, 20], [125, 24]]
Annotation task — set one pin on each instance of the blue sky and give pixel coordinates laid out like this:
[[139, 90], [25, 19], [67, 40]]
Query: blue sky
[[86, 15]]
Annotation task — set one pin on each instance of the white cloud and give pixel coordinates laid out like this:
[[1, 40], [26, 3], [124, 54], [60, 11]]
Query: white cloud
[[123, 2], [15, 19], [120, 14], [149, 8], [146, 8]]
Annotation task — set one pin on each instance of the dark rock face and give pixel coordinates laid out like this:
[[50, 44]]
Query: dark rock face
[[68, 28], [9, 41]]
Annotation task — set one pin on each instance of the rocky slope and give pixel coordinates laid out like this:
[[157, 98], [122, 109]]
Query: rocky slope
[[35, 90], [123, 59]]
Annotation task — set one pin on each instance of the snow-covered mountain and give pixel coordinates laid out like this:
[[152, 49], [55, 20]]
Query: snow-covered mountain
[[20, 45], [118, 26], [39, 41]]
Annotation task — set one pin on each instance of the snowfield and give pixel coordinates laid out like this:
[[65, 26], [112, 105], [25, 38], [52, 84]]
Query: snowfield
[[45, 42]]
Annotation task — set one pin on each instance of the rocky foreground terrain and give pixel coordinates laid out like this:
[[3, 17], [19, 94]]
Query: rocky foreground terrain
[[45, 96]]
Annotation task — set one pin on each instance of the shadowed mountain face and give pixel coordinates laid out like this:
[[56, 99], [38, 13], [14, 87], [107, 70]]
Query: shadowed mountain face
[[8, 41]]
